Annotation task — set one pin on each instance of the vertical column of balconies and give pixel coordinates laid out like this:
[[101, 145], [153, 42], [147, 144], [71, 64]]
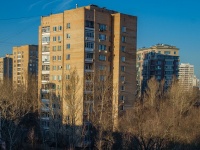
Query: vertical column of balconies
[[45, 77], [89, 67]]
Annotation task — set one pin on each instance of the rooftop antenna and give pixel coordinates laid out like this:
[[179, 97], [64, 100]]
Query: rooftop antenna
[[76, 5]]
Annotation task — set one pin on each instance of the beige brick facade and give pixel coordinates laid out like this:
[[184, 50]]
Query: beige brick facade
[[88, 38]]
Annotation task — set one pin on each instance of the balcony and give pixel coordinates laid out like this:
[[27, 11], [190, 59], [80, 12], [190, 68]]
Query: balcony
[[89, 60], [90, 50], [89, 70], [45, 71], [46, 62], [46, 109], [88, 92], [89, 38], [45, 100], [44, 118], [45, 90]]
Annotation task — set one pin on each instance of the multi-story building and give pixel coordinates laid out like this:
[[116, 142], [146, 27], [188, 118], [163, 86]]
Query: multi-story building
[[6, 67], [25, 63], [186, 76], [89, 39], [152, 55]]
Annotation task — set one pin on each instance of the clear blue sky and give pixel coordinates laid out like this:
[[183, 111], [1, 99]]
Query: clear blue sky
[[175, 22]]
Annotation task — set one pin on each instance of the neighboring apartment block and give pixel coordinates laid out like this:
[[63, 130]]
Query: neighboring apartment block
[[25, 63], [160, 60], [6, 67], [90, 39], [186, 76]]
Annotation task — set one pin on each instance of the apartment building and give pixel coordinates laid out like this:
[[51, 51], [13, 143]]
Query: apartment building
[[6, 67], [25, 63], [90, 39], [153, 59], [186, 76]]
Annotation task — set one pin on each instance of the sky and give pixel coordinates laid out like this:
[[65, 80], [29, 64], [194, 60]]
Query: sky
[[174, 22]]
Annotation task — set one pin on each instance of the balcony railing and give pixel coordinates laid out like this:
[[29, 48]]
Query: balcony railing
[[89, 60]]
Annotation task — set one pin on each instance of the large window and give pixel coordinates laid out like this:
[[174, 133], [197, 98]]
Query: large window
[[59, 57], [68, 25], [123, 29], [89, 45], [54, 48], [68, 36], [67, 66], [89, 24], [102, 37], [122, 68], [68, 57], [102, 47], [123, 59], [102, 57], [67, 46], [54, 38], [123, 39], [54, 29], [90, 34], [102, 27]]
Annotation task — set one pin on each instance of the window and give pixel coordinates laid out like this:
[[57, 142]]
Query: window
[[102, 67], [54, 29], [174, 52], [121, 107], [166, 52], [68, 57], [122, 78], [102, 27], [89, 24], [123, 29], [89, 45], [89, 34], [68, 25], [102, 37], [54, 38], [59, 48], [54, 48], [102, 77], [102, 47], [122, 88], [59, 28], [67, 77], [123, 59], [68, 36], [123, 48], [59, 67], [123, 39], [59, 38], [67, 66], [102, 57], [45, 39], [53, 77], [122, 68], [59, 57], [54, 68], [67, 46], [122, 97], [54, 58], [59, 77]]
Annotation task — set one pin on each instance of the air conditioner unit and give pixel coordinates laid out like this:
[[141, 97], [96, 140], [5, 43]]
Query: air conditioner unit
[[123, 82], [86, 38]]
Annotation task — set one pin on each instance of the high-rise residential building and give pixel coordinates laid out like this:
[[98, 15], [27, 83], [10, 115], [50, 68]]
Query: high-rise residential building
[[195, 82], [6, 67], [160, 60], [90, 39], [25, 63], [186, 76]]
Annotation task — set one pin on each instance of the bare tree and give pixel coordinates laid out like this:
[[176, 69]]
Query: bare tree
[[16, 103]]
